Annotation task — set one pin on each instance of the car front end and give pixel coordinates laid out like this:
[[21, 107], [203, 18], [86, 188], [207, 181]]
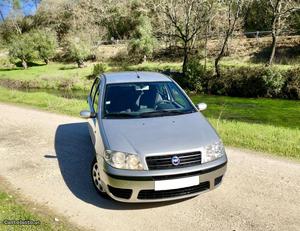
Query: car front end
[[164, 176]]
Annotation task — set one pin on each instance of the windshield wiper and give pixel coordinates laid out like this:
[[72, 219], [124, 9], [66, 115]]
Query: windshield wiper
[[121, 115], [164, 113]]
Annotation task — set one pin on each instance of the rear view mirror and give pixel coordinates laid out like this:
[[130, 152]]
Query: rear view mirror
[[87, 114], [201, 106]]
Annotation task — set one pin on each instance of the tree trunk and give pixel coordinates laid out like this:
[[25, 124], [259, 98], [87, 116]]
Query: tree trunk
[[205, 47], [80, 63], [46, 61], [217, 67], [24, 64], [274, 44], [185, 60], [220, 56]]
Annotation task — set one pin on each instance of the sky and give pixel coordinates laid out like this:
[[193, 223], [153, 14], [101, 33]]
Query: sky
[[27, 7]]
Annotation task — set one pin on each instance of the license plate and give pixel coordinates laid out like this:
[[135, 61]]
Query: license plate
[[176, 183]]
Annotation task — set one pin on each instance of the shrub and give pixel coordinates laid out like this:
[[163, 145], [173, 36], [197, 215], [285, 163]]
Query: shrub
[[22, 48], [45, 44], [249, 82], [291, 88], [98, 69], [197, 77]]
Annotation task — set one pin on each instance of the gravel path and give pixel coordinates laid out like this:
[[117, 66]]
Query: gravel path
[[47, 158]]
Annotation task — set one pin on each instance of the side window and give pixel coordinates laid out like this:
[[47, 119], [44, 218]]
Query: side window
[[94, 94]]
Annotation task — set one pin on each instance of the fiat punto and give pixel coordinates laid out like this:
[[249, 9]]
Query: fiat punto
[[151, 142]]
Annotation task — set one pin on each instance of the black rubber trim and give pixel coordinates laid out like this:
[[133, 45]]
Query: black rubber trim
[[166, 177]]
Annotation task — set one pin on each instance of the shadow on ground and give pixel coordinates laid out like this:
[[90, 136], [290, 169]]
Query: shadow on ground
[[75, 153]]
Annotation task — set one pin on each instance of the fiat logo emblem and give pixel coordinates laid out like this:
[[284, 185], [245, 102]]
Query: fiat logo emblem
[[175, 160]]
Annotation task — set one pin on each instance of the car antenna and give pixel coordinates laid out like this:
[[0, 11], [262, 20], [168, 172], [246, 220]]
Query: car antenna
[[137, 75]]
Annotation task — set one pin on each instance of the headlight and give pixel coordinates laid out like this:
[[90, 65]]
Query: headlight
[[123, 160], [213, 151]]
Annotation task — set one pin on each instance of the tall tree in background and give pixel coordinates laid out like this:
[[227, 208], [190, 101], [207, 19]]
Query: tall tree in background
[[188, 18], [233, 11], [281, 11]]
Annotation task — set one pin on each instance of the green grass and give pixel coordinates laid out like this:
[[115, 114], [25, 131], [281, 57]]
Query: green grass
[[43, 100], [10, 209], [51, 71], [276, 112], [279, 141], [265, 135]]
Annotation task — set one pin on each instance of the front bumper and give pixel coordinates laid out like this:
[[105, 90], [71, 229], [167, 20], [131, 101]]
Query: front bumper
[[139, 186]]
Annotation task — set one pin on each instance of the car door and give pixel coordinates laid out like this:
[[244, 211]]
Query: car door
[[93, 105]]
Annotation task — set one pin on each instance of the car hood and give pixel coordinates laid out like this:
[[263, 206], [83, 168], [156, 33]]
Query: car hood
[[158, 135]]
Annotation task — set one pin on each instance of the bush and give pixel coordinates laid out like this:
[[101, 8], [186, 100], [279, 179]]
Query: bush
[[291, 88], [98, 69], [45, 44], [249, 82], [197, 77]]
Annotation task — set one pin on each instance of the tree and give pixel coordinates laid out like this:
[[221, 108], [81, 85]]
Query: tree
[[45, 44], [22, 47], [188, 18], [257, 16], [142, 42], [77, 49], [281, 11], [233, 10]]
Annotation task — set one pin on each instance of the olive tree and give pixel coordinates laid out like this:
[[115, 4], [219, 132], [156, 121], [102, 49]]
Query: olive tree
[[22, 48], [45, 44], [77, 49]]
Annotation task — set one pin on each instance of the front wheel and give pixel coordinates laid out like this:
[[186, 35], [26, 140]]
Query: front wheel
[[96, 178]]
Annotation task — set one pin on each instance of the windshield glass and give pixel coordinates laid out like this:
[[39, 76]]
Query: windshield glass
[[150, 99]]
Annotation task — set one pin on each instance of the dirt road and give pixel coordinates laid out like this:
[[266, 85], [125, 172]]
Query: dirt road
[[47, 157]]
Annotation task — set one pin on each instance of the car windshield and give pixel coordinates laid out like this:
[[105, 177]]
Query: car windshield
[[150, 99]]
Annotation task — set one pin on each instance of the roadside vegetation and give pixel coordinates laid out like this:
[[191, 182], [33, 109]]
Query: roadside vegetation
[[13, 209]]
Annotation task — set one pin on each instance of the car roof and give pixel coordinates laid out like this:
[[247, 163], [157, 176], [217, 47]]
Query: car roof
[[135, 76]]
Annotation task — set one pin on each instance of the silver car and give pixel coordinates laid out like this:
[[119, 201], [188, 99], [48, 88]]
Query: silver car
[[151, 143]]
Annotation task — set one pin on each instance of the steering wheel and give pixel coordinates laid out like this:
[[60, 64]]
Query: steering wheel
[[162, 102]]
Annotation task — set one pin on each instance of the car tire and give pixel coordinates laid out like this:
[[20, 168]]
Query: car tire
[[96, 179]]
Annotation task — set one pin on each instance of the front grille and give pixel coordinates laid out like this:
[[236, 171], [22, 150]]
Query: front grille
[[152, 194], [165, 162], [120, 192]]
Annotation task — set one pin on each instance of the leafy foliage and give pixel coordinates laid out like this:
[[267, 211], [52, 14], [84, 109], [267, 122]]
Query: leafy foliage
[[77, 49], [98, 69], [22, 47], [291, 87], [249, 82], [143, 41], [197, 77], [45, 44]]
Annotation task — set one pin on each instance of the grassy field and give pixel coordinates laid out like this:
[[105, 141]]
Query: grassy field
[[11, 209], [58, 75], [245, 123], [276, 112]]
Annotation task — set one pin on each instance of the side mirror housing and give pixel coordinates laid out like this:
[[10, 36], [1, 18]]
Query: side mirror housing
[[201, 106], [87, 114]]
